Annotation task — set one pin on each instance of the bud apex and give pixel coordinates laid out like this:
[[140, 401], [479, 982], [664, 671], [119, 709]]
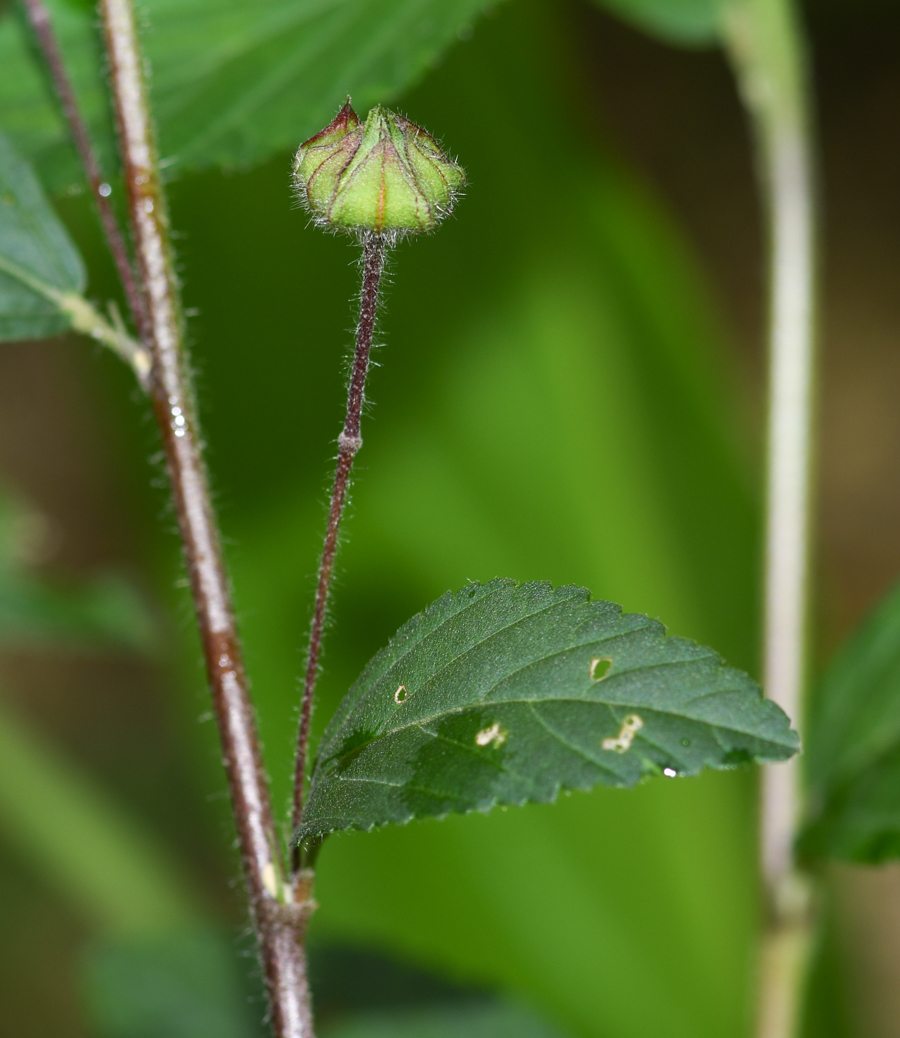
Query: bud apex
[[388, 177]]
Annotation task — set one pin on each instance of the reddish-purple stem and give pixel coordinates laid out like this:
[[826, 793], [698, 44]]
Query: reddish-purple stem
[[39, 19], [349, 443], [279, 907]]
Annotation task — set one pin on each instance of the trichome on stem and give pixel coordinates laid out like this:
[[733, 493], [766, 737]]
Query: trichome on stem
[[380, 180]]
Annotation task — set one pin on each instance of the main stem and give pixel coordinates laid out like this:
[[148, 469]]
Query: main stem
[[42, 26], [767, 49], [349, 443], [279, 909]]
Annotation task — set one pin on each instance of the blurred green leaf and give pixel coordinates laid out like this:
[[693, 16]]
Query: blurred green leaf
[[87, 847], [103, 612], [686, 22], [232, 82], [853, 746], [493, 1020], [184, 985], [347, 979], [35, 251], [506, 694]]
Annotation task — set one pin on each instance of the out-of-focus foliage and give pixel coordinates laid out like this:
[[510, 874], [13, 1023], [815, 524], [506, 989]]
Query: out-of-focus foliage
[[185, 984], [104, 612], [81, 841], [194, 983], [73, 833], [480, 1021], [35, 248], [508, 694], [232, 82], [853, 760], [686, 22]]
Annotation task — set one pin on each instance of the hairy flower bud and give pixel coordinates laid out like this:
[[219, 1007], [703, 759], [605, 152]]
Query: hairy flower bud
[[388, 177]]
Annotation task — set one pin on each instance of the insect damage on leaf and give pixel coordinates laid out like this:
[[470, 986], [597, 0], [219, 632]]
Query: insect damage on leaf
[[600, 667], [503, 702], [493, 736], [632, 724]]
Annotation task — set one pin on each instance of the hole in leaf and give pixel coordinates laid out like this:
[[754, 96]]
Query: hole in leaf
[[600, 667], [401, 694]]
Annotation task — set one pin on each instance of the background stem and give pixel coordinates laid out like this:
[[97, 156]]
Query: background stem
[[349, 443], [767, 49], [42, 26], [279, 910]]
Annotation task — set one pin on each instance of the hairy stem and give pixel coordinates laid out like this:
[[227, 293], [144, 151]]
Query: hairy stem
[[42, 26], [349, 443], [279, 909], [767, 49]]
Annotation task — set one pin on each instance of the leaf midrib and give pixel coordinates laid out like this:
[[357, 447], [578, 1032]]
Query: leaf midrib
[[772, 740]]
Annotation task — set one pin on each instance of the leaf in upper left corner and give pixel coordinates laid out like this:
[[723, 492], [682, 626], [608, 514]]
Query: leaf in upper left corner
[[506, 693], [232, 83], [32, 241]]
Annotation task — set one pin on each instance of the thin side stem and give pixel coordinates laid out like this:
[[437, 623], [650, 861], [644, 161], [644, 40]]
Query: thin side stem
[[279, 909], [86, 319], [349, 443], [42, 26], [767, 49]]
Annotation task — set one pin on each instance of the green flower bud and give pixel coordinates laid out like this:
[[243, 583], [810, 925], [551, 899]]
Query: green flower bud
[[387, 177]]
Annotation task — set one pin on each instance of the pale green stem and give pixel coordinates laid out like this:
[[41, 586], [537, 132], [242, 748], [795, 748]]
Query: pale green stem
[[86, 319], [765, 41]]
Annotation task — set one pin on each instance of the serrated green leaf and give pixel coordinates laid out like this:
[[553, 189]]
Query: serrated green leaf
[[853, 765], [686, 22], [35, 249], [505, 693], [232, 81]]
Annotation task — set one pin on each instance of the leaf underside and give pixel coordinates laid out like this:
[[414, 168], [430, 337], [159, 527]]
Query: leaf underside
[[487, 698], [853, 768], [232, 81], [33, 240]]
